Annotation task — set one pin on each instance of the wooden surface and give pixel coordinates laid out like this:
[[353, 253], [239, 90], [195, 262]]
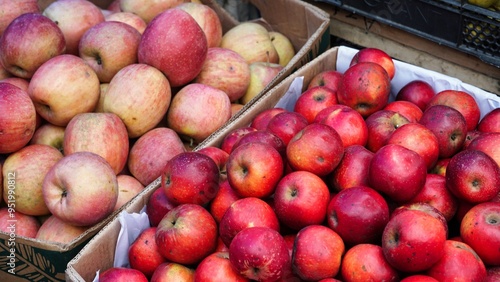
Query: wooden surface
[[411, 48]]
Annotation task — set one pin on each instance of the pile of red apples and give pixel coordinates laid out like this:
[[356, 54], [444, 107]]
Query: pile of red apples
[[94, 102], [346, 187]]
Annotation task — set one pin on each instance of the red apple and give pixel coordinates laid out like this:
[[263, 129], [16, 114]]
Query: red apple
[[425, 207], [493, 274], [490, 121], [317, 148], [473, 176], [375, 55], [313, 100], [419, 278], [317, 253], [254, 169], [219, 156], [358, 214], [259, 253], [413, 241], [17, 81], [348, 123], [231, 138], [328, 78], [285, 125], [418, 138], [397, 172], [74, 18], [301, 199], [18, 223], [190, 177], [208, 20], [17, 118], [28, 41], [448, 125], [11, 10], [261, 120], [216, 267], [471, 135], [244, 213], [488, 143], [157, 207], [143, 253], [440, 166], [122, 274], [187, 234], [381, 125], [222, 201], [352, 169], [459, 261], [417, 91], [366, 262], [480, 229], [461, 101], [146, 149], [169, 271], [408, 109], [180, 57], [365, 87], [263, 136]]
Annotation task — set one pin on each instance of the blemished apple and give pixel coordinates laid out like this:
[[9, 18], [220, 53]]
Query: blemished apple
[[170, 271], [261, 75], [418, 138], [17, 119], [122, 274], [358, 214], [317, 253], [244, 213], [56, 230], [222, 201], [317, 148], [12, 10], [129, 18], [231, 138], [157, 207], [64, 194], [190, 178], [301, 199], [313, 100], [365, 87], [208, 20], [397, 172], [254, 169], [76, 91], [180, 59], [459, 261], [473, 176], [408, 109], [352, 169], [479, 229], [461, 101], [413, 241], [284, 47], [74, 18], [381, 125], [128, 188], [30, 164], [348, 123], [21, 224], [145, 149], [328, 78], [186, 234], [102, 133], [143, 253], [487, 143], [261, 120], [286, 125], [217, 267], [490, 121], [417, 91], [30, 40], [366, 262], [448, 125], [108, 47], [259, 253], [375, 55], [252, 41], [226, 70], [197, 111], [140, 95], [149, 10]]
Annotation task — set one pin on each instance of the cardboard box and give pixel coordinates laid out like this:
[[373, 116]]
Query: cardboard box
[[308, 28], [99, 254]]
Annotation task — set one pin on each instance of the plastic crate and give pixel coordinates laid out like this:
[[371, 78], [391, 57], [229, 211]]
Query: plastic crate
[[457, 24]]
